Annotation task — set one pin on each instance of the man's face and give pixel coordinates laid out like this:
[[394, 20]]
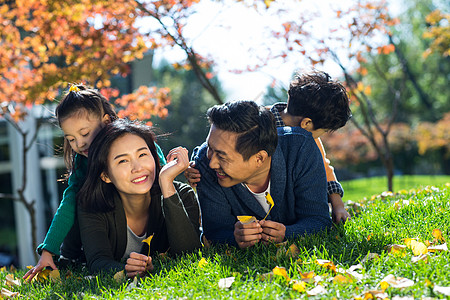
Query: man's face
[[229, 165]]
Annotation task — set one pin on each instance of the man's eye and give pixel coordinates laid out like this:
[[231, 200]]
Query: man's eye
[[85, 135], [122, 161]]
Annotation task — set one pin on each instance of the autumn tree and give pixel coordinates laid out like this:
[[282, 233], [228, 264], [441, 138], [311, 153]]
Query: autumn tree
[[45, 45]]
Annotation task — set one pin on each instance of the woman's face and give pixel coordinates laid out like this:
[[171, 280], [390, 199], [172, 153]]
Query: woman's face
[[131, 166]]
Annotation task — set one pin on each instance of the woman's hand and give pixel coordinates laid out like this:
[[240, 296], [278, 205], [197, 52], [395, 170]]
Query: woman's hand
[[177, 163], [46, 260], [138, 264]]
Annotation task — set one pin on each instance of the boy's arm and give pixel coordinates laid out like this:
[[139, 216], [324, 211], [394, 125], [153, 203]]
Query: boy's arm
[[65, 215], [311, 205], [334, 188]]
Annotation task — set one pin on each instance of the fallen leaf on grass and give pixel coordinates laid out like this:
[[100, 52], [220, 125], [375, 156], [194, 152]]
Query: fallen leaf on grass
[[55, 276], [12, 281], [369, 257], [342, 279], [299, 286], [326, 264], [120, 276], [416, 247], [437, 233], [445, 290], [399, 282], [202, 262], [307, 277], [318, 290], [396, 249], [442, 247], [374, 294], [421, 257], [8, 294], [133, 284], [225, 283], [281, 271], [293, 251]]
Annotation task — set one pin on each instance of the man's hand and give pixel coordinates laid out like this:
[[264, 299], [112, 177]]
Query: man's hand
[[138, 264], [272, 231], [46, 260], [246, 235], [338, 211]]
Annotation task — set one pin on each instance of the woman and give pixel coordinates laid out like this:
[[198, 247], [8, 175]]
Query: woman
[[127, 197]]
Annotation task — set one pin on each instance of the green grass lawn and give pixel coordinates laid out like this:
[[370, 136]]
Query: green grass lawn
[[366, 187], [351, 261]]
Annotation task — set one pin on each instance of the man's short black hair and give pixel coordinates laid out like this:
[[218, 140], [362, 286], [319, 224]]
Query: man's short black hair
[[254, 124], [316, 96]]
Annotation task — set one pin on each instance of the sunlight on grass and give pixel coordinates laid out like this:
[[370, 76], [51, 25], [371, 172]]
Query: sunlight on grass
[[394, 246]]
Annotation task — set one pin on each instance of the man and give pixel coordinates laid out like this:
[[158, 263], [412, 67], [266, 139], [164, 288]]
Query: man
[[241, 162]]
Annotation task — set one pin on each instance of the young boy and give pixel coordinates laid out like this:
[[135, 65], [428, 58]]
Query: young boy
[[317, 104]]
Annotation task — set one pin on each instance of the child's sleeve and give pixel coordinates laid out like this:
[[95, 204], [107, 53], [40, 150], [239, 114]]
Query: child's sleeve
[[334, 187], [65, 215], [162, 159]]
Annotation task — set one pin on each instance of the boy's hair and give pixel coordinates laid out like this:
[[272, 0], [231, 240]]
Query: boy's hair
[[96, 195], [316, 96], [80, 100], [254, 124]]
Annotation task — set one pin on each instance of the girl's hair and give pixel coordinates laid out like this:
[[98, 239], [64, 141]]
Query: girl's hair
[[79, 100], [96, 195]]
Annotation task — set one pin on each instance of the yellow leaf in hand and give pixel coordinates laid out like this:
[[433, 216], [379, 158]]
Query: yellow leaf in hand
[[280, 271], [148, 240], [270, 202], [246, 219]]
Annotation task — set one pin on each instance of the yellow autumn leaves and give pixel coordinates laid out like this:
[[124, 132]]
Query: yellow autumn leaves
[[250, 219]]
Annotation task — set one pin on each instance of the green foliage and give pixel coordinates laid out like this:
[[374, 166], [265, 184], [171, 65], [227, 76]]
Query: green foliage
[[375, 224]]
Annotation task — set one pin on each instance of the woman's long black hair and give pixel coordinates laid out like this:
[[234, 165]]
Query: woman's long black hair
[[97, 195]]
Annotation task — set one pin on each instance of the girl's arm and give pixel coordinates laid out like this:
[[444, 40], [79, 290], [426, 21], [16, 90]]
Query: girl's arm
[[65, 215]]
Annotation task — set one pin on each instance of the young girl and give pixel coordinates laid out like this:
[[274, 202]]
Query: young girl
[[127, 197], [81, 114]]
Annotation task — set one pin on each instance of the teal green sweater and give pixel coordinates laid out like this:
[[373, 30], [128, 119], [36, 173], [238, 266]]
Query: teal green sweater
[[65, 215]]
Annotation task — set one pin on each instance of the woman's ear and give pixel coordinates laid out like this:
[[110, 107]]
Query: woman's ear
[[307, 124], [105, 177], [106, 119]]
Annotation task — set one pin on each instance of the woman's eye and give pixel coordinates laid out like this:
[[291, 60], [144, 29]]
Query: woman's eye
[[143, 154], [70, 140]]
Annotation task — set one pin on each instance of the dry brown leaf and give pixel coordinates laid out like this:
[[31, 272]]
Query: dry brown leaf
[[442, 247], [308, 276], [423, 257], [318, 290], [326, 264], [12, 281], [8, 294], [120, 276], [369, 257], [394, 248], [397, 282], [342, 279], [445, 290], [293, 251]]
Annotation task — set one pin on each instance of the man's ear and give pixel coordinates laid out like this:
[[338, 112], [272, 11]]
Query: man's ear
[[106, 119], [261, 157], [105, 177], [307, 124]]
